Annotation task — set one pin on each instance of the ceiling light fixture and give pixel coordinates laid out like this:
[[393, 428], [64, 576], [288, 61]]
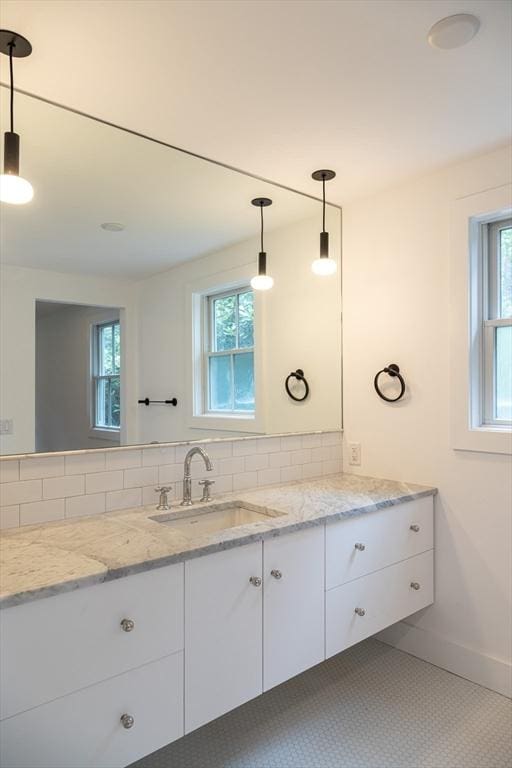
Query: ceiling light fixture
[[13, 188], [453, 31], [324, 265], [262, 281], [112, 226]]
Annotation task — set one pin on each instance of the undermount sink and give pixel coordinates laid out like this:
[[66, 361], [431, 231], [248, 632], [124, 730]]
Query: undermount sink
[[215, 517]]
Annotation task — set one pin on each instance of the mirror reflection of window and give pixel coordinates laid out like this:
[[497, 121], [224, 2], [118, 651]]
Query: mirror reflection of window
[[107, 375], [230, 352]]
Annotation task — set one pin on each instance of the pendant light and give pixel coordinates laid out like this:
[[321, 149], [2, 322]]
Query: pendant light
[[324, 265], [262, 281], [13, 188]]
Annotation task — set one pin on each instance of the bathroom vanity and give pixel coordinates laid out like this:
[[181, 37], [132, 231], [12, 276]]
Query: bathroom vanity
[[134, 634]]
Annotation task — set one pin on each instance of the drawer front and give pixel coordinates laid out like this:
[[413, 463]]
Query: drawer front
[[385, 597], [84, 730], [383, 537], [55, 646]]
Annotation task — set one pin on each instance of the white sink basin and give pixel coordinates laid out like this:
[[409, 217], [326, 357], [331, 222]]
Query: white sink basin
[[215, 517]]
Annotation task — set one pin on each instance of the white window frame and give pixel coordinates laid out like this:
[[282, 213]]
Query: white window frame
[[469, 431], [221, 422], [490, 235], [99, 429], [209, 352]]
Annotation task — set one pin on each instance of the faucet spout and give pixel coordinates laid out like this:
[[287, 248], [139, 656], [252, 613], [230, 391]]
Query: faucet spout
[[187, 478]]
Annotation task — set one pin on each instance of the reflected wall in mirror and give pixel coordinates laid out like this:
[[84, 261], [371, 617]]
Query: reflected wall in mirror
[[157, 302]]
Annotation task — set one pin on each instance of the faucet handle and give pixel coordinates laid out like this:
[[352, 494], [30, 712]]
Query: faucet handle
[[163, 502], [206, 489]]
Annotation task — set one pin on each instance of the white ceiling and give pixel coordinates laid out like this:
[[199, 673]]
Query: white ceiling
[[175, 207], [280, 87]]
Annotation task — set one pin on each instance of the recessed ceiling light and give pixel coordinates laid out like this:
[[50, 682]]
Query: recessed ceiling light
[[453, 31], [112, 226]]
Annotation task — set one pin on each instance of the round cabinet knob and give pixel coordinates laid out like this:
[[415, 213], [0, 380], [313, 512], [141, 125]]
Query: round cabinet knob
[[415, 585], [360, 547], [127, 625], [360, 611], [255, 581], [276, 574], [414, 528], [127, 721]]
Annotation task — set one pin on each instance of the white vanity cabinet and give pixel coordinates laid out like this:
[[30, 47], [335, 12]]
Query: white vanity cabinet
[[223, 632], [293, 604]]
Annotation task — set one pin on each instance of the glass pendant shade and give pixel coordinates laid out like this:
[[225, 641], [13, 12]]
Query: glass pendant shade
[[324, 266], [262, 282]]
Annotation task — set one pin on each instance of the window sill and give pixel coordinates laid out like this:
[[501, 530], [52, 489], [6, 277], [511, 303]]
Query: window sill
[[99, 433], [226, 423], [485, 439]]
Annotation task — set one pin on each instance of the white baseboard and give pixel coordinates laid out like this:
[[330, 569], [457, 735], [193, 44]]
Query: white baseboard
[[483, 670]]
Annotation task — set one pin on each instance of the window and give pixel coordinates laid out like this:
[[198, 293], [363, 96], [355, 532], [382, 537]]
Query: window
[[106, 375], [497, 323], [229, 353]]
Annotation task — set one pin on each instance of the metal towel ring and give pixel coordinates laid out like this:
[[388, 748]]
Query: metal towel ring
[[394, 371], [299, 375]]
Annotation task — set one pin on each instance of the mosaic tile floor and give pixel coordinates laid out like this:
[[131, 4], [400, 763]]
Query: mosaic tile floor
[[369, 707]]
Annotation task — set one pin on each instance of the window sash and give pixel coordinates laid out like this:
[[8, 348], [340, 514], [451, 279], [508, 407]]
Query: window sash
[[210, 352], [491, 320], [98, 377]]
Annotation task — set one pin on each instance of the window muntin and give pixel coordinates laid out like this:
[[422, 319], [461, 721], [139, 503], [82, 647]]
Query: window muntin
[[497, 324], [229, 363], [107, 376]]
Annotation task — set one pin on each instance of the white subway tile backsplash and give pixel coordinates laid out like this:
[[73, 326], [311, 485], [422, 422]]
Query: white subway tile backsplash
[[256, 461], [301, 457], [245, 480], [291, 474], [98, 482], [50, 466], [91, 504], [231, 466], [85, 462], [35, 490], [281, 459], [9, 471], [269, 476], [311, 441], [61, 487], [20, 492], [10, 516], [136, 478], [124, 459], [155, 456], [41, 511], [132, 497]]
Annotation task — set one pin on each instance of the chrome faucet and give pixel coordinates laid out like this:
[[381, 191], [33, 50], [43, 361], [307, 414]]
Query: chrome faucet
[[187, 478]]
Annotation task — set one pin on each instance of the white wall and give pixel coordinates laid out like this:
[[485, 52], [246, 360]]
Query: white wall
[[63, 377], [396, 297], [299, 327], [19, 290]]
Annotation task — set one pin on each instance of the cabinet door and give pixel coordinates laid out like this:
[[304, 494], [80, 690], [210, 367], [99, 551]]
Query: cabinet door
[[294, 602], [84, 729], [223, 632]]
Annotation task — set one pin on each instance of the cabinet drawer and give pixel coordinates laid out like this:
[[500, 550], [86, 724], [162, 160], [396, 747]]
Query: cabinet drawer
[[385, 597], [383, 537], [54, 646], [84, 729]]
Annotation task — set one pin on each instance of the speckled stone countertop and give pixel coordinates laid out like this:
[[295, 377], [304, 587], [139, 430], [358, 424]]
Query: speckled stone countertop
[[38, 561]]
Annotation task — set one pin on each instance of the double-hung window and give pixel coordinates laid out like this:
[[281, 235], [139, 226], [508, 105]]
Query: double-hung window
[[106, 378], [229, 353], [496, 383]]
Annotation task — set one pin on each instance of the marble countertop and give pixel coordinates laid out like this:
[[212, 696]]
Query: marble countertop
[[38, 561]]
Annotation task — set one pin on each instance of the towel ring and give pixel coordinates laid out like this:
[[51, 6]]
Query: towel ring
[[394, 371], [299, 375]]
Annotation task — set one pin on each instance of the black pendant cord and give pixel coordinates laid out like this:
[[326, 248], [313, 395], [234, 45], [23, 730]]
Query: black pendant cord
[[11, 71], [323, 204], [261, 236]]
